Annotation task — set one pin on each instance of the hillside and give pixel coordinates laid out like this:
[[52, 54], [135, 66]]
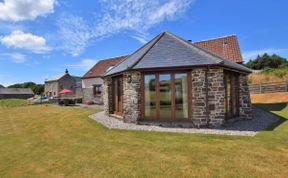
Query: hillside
[[270, 75]]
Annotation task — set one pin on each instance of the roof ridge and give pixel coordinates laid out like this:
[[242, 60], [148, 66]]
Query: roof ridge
[[55, 76], [132, 54], [101, 60], [110, 58], [156, 40], [215, 38], [195, 46]]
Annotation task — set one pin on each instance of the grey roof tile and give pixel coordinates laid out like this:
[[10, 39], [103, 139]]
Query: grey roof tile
[[169, 50], [19, 91]]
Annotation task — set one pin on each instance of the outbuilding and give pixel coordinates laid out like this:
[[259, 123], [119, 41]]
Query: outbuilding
[[174, 81], [16, 93]]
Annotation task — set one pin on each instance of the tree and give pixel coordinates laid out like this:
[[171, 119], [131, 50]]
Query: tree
[[266, 61], [1, 86], [37, 88]]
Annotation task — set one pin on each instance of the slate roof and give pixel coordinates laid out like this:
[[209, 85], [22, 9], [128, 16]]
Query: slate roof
[[99, 69], [226, 47], [56, 77], [168, 50], [16, 91], [59, 76]]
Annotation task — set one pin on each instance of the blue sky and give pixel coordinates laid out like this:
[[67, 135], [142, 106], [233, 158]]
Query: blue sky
[[41, 38]]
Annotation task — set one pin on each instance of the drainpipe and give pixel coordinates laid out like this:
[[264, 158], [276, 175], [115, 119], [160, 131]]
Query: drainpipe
[[207, 101]]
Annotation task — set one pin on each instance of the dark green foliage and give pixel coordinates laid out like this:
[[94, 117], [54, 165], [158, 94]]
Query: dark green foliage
[[266, 61], [1, 86], [37, 88]]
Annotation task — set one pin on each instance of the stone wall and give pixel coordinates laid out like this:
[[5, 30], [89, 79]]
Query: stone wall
[[244, 98], [132, 97], [216, 95], [88, 95], [199, 115], [208, 81], [107, 95]]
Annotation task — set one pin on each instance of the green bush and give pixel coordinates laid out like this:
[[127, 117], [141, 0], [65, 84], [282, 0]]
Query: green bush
[[266, 61]]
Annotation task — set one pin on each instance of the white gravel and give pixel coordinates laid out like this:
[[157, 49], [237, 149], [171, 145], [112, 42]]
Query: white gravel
[[262, 120]]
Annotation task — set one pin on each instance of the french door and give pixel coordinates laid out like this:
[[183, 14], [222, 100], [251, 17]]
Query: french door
[[117, 88], [166, 96]]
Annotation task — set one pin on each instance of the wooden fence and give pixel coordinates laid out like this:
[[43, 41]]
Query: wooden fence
[[271, 87]]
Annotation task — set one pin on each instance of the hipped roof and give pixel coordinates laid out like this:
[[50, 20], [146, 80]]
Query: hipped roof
[[167, 50]]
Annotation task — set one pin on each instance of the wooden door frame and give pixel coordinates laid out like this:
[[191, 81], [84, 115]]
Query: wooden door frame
[[237, 92], [115, 99], [157, 95]]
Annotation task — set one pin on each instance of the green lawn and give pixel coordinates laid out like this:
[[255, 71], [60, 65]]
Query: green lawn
[[53, 141]]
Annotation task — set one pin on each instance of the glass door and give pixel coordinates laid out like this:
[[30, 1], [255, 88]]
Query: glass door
[[166, 96]]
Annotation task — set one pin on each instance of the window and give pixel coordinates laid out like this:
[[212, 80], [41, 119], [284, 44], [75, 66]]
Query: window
[[165, 96], [231, 82], [97, 90]]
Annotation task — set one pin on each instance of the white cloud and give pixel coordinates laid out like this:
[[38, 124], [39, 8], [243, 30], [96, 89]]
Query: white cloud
[[17, 10], [27, 41], [18, 58], [14, 57], [84, 65], [74, 33], [136, 16], [247, 55], [141, 39]]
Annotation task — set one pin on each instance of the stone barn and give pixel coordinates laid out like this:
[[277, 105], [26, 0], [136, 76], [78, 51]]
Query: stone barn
[[177, 82], [16, 93]]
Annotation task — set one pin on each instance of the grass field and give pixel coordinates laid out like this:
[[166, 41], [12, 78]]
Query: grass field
[[13, 103], [53, 141]]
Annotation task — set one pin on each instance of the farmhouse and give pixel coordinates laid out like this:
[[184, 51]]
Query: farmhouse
[[16, 93], [173, 81], [59, 82], [92, 81]]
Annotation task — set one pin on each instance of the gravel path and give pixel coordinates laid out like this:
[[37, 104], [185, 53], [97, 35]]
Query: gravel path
[[262, 120]]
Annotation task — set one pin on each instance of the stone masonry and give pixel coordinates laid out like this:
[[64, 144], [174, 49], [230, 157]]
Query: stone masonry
[[107, 95], [244, 98], [206, 111], [204, 79], [131, 97]]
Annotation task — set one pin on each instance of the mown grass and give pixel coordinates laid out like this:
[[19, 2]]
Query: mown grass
[[53, 141], [14, 102]]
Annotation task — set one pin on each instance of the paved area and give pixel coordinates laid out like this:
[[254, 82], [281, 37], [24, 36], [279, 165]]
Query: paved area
[[262, 120]]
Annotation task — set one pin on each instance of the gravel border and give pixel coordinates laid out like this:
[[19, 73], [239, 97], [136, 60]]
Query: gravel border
[[262, 120]]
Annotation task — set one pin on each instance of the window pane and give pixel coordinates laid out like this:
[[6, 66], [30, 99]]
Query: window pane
[[165, 96], [150, 96], [181, 96]]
